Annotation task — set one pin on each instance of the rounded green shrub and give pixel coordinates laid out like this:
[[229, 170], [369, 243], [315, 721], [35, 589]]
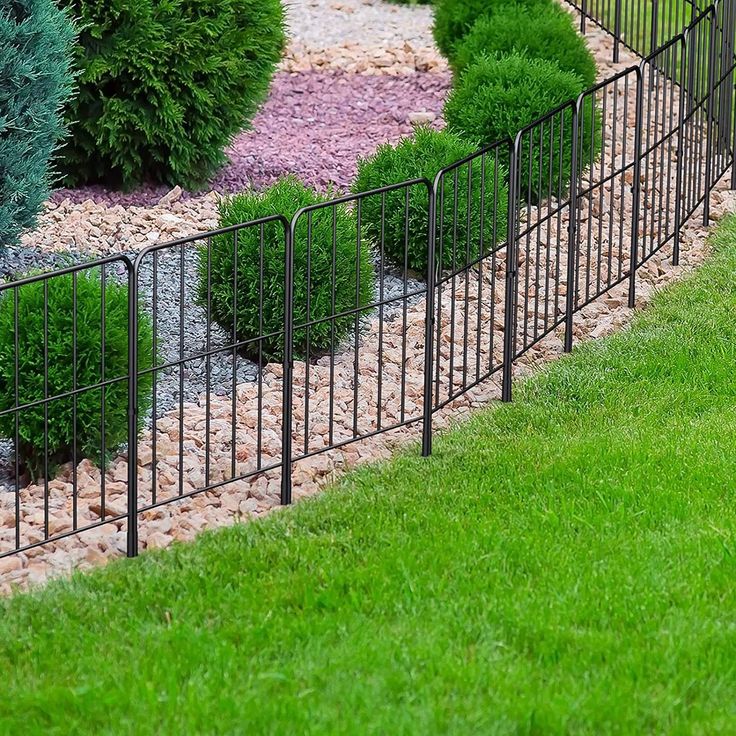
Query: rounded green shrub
[[164, 86], [35, 80], [496, 97], [453, 19], [546, 33], [54, 343], [333, 272], [404, 232]]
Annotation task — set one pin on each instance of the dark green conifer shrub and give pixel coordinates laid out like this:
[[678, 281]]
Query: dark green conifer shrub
[[165, 85], [404, 232], [53, 344], [35, 80], [546, 32], [453, 19], [333, 272], [496, 97]]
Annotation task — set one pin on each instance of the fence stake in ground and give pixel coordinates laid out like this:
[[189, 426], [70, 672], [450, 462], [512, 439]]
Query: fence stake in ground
[[288, 369], [132, 541], [636, 187], [512, 272], [429, 319]]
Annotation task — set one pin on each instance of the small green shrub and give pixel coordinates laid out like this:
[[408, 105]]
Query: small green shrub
[[59, 353], [165, 85], [453, 19], [541, 33], [404, 233], [352, 280], [496, 97], [35, 80]]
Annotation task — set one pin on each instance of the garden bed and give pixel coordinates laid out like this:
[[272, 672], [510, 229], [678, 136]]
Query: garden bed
[[337, 117]]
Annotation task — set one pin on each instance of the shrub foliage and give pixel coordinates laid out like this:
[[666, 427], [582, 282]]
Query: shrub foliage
[[471, 195], [332, 272], [165, 85], [546, 33], [453, 19], [53, 344], [35, 80], [495, 98]]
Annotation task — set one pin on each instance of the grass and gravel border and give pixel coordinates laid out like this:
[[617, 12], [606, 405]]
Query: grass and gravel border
[[563, 564]]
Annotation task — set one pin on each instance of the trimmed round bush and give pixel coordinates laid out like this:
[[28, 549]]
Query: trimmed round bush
[[329, 263], [165, 85], [453, 19], [60, 349], [35, 80], [496, 97], [540, 33], [423, 156]]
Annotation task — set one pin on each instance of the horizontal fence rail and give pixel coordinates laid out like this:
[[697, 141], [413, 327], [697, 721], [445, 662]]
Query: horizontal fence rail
[[223, 359]]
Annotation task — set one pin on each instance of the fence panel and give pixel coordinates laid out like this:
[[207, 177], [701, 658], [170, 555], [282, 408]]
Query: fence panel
[[472, 211], [543, 166], [359, 335], [661, 116], [213, 308], [606, 187], [65, 373]]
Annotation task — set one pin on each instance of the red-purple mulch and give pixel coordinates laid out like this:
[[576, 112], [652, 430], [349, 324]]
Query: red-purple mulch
[[314, 125]]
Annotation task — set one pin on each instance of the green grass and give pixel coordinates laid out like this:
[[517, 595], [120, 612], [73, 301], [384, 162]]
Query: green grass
[[564, 564]]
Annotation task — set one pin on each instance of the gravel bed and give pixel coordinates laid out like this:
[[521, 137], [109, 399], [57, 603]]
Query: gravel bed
[[174, 385], [333, 118], [322, 23]]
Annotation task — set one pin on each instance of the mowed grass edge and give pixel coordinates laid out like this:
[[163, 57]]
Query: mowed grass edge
[[563, 564]]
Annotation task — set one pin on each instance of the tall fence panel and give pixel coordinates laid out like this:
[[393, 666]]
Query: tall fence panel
[[542, 191]]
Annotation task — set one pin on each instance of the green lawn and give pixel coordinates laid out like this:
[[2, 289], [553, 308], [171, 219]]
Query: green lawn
[[564, 564]]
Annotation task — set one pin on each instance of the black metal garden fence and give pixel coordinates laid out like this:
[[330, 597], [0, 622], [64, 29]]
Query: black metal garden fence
[[519, 237]]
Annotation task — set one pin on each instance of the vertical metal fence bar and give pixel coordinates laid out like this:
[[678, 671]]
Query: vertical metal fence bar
[[636, 187], [655, 25], [680, 154], [617, 32], [288, 368], [709, 114], [429, 321], [511, 274], [132, 540], [572, 236]]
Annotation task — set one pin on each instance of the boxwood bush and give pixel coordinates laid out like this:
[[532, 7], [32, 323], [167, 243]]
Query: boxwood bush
[[453, 19], [165, 85], [59, 351], [313, 272], [546, 33], [385, 219], [496, 97], [35, 80]]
